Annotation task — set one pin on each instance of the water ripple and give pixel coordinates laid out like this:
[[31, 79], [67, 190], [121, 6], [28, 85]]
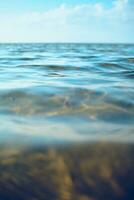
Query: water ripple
[[80, 89]]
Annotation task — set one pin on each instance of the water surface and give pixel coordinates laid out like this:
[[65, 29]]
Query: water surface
[[66, 92], [54, 97]]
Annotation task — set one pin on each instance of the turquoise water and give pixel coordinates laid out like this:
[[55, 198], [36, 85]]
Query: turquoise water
[[66, 92]]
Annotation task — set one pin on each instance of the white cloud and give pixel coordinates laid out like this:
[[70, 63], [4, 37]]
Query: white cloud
[[120, 4], [84, 22]]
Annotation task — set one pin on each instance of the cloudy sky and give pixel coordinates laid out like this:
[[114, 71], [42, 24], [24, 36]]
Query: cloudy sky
[[67, 21]]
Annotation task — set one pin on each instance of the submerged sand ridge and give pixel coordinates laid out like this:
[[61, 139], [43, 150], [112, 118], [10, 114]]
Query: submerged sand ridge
[[82, 172]]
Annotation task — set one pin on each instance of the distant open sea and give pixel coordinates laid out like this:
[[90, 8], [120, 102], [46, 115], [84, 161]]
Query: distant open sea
[[53, 93]]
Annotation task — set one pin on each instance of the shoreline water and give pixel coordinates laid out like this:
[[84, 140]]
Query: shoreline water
[[66, 122]]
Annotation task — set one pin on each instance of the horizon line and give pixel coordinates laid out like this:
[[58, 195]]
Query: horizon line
[[43, 42]]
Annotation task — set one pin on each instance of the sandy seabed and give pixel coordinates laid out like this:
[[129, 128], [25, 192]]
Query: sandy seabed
[[91, 171]]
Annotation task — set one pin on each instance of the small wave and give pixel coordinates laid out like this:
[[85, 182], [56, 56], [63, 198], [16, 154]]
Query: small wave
[[129, 74], [53, 68], [110, 65], [129, 60]]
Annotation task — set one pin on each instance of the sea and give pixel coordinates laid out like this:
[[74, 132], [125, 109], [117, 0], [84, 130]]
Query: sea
[[61, 93], [66, 121]]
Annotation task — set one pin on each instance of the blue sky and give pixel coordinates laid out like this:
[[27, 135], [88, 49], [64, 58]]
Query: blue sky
[[66, 21], [41, 5]]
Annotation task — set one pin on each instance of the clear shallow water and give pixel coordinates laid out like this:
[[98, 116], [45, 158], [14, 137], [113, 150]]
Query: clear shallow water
[[66, 92]]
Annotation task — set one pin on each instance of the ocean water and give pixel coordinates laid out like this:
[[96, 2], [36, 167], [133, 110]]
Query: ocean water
[[66, 121], [66, 92]]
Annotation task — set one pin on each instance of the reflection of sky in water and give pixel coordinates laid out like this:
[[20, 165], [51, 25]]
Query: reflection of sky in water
[[67, 92]]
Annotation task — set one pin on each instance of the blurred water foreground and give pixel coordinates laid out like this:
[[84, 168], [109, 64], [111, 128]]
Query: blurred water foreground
[[97, 171]]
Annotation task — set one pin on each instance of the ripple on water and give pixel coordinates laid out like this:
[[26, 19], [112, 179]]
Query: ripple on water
[[70, 89]]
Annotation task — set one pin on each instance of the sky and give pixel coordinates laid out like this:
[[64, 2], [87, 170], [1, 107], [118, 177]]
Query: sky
[[67, 21]]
